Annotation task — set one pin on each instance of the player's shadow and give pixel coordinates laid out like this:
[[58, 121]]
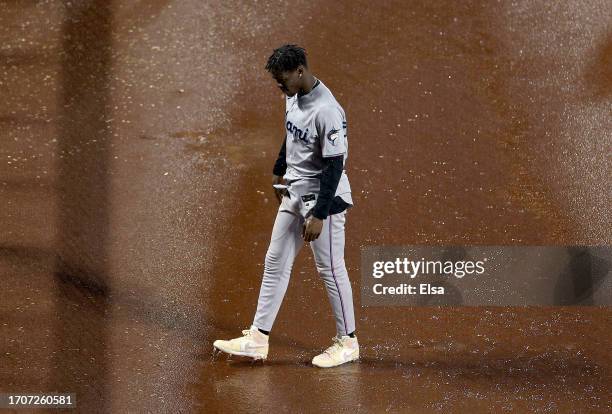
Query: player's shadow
[[452, 295], [584, 274], [598, 74]]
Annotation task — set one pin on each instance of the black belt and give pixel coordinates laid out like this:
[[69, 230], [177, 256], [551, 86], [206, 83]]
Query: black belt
[[289, 182]]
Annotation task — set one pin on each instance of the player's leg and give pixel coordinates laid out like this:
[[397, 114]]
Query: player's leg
[[284, 245], [328, 251]]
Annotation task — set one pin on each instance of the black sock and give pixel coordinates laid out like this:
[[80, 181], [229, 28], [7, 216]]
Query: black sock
[[352, 334], [263, 332]]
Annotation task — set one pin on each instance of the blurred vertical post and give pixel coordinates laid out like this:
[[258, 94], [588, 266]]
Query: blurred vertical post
[[83, 197]]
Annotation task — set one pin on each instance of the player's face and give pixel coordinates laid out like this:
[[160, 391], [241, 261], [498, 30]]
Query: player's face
[[289, 81]]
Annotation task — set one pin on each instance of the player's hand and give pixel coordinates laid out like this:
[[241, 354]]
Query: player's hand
[[278, 193], [312, 229]]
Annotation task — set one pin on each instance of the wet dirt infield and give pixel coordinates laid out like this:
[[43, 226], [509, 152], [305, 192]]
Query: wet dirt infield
[[136, 150]]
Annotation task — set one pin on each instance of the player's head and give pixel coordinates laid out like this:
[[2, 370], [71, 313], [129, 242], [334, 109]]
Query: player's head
[[288, 66]]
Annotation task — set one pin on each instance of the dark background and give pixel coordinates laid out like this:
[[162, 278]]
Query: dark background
[[137, 141]]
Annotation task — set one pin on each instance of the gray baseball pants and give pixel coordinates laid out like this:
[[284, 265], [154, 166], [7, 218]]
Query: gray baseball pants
[[328, 250]]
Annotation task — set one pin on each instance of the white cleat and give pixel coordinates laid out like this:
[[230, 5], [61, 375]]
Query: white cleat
[[344, 349], [252, 344]]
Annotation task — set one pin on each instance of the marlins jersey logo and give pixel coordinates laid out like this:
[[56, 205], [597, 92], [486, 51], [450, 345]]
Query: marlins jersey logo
[[333, 135]]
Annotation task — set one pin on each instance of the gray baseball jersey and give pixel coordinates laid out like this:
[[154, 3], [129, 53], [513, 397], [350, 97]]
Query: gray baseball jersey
[[316, 127]]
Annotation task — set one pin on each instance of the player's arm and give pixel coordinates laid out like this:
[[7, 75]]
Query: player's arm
[[280, 167], [330, 124], [330, 129], [330, 177]]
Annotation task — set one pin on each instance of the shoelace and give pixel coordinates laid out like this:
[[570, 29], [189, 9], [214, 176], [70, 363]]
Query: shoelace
[[337, 345], [247, 332]]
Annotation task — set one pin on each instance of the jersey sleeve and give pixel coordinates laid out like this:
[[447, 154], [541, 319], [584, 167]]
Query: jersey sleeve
[[330, 177], [331, 128], [280, 166]]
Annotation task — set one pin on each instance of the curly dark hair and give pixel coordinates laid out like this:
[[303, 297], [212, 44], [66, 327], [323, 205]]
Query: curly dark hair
[[286, 58]]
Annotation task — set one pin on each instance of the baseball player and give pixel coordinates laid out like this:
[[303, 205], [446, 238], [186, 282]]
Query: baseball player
[[314, 193]]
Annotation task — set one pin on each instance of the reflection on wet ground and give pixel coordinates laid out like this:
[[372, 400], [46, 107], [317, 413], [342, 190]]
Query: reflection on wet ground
[[137, 143]]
